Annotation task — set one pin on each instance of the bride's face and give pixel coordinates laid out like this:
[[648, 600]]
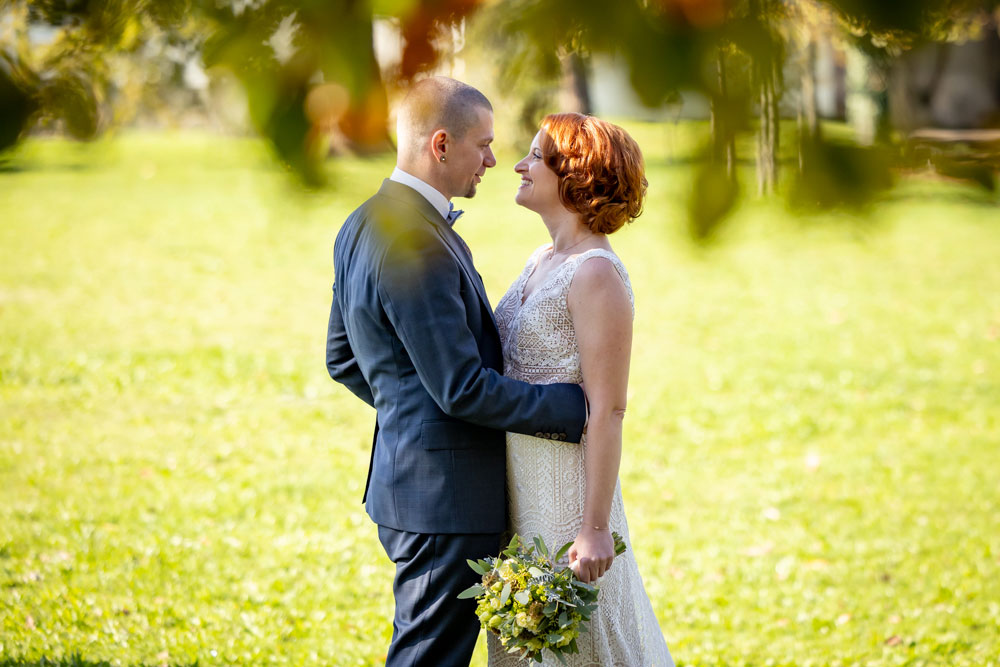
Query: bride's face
[[539, 190]]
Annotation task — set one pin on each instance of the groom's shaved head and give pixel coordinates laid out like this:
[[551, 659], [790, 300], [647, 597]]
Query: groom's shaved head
[[437, 103]]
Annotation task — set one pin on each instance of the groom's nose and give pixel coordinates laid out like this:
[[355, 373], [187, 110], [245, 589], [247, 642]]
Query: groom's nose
[[489, 160]]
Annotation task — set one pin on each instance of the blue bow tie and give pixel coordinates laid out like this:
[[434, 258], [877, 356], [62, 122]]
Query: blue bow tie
[[453, 214]]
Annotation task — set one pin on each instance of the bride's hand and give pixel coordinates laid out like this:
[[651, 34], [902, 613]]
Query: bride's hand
[[592, 553]]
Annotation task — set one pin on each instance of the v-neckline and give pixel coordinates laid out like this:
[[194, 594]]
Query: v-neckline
[[524, 297]]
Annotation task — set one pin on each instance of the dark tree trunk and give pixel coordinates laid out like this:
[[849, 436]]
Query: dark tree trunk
[[808, 116], [768, 134], [723, 138], [811, 116], [767, 74], [774, 135], [763, 131], [764, 158], [575, 89]]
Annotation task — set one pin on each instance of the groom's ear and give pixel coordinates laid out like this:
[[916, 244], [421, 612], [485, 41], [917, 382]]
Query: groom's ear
[[439, 144]]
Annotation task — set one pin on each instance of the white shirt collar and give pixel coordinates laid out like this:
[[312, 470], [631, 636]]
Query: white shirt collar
[[436, 199]]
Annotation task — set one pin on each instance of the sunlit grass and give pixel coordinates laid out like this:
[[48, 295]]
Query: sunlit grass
[[811, 443]]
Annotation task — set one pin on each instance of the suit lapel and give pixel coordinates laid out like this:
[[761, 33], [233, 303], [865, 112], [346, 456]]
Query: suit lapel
[[452, 240], [461, 252]]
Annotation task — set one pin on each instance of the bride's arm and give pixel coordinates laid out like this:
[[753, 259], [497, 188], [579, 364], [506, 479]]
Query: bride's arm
[[602, 317]]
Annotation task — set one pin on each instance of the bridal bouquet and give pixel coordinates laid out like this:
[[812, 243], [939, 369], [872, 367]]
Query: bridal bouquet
[[529, 603]]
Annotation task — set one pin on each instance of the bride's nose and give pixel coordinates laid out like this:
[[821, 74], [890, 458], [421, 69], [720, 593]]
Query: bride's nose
[[521, 166]]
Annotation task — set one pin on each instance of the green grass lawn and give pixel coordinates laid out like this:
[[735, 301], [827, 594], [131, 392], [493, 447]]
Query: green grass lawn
[[811, 451]]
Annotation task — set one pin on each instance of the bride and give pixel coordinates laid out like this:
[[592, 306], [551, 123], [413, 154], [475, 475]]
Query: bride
[[568, 318]]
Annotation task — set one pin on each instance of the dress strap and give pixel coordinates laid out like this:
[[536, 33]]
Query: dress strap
[[606, 254], [611, 257]]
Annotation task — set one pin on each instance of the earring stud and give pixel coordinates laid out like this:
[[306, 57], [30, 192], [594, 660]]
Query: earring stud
[[442, 158]]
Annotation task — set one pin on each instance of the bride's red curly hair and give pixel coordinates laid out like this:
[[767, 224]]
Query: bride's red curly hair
[[600, 169]]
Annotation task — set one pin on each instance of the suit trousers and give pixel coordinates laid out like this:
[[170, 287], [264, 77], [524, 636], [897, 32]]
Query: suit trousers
[[431, 626]]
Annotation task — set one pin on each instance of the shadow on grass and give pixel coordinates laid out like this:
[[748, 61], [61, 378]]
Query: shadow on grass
[[16, 165], [75, 660], [969, 195], [697, 159]]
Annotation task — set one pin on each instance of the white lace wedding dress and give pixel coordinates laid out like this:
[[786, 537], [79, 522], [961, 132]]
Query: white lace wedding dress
[[546, 479]]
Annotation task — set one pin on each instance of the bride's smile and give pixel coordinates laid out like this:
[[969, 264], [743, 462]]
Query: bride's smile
[[539, 187]]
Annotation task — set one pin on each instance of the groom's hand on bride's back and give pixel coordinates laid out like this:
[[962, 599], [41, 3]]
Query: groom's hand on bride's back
[[592, 553]]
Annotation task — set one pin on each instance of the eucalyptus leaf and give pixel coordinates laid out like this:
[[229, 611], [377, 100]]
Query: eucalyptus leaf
[[471, 592], [540, 546]]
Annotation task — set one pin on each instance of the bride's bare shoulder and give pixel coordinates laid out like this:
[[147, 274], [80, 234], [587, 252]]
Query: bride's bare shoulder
[[597, 281]]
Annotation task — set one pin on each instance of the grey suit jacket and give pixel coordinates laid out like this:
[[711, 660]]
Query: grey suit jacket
[[412, 334]]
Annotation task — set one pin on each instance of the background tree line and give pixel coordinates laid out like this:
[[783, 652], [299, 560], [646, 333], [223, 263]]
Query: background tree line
[[309, 75]]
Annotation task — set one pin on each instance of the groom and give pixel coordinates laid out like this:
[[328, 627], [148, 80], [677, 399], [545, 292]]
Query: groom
[[412, 334]]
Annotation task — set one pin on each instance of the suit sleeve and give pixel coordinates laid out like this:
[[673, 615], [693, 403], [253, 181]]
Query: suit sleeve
[[420, 285], [340, 361]]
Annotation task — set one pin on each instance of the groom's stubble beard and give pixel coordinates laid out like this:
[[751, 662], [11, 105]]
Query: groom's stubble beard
[[471, 191]]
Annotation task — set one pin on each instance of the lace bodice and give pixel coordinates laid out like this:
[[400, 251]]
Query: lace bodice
[[546, 479], [539, 342]]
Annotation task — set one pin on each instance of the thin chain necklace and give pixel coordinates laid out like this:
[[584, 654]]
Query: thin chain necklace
[[552, 252]]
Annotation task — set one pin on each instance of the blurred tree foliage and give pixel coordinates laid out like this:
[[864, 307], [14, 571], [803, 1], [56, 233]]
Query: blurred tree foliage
[[310, 75], [737, 54], [308, 67]]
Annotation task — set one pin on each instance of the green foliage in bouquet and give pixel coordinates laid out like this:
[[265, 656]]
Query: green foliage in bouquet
[[529, 602]]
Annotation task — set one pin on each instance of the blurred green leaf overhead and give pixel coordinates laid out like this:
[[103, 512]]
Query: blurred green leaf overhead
[[17, 104], [314, 85]]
